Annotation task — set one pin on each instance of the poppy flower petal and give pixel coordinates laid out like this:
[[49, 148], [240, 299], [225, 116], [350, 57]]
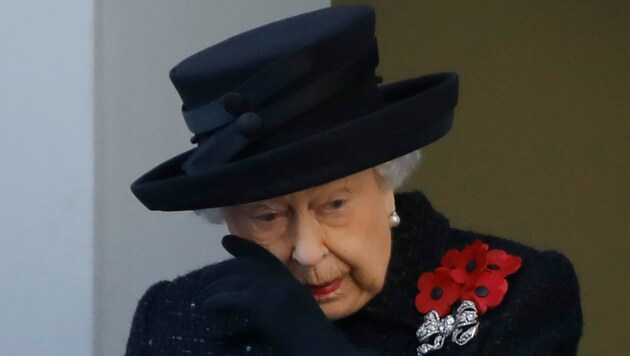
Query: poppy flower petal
[[502, 262], [450, 258], [437, 291], [487, 292], [426, 280], [474, 273], [470, 263]]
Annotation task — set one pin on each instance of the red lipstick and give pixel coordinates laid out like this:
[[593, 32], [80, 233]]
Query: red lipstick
[[324, 290]]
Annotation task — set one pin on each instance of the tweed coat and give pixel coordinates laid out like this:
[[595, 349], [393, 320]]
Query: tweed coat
[[540, 314]]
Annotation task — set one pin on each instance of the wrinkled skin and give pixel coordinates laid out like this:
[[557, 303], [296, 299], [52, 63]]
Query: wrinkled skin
[[338, 230]]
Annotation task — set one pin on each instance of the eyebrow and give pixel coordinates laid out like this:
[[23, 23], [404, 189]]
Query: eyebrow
[[257, 205], [338, 186]]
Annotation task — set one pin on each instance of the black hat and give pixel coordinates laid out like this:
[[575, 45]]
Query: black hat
[[292, 105]]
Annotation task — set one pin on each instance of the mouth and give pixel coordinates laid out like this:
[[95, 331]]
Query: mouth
[[326, 290]]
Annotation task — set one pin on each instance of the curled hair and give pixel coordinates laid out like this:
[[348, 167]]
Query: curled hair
[[394, 173], [391, 174]]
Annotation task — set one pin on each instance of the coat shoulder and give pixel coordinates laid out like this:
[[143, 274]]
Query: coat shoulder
[[170, 320], [140, 340], [541, 313]]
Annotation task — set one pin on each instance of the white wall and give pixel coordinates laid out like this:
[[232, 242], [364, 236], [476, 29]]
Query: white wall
[[46, 180], [138, 125]]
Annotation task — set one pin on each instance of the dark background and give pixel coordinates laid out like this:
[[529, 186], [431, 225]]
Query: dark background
[[539, 149]]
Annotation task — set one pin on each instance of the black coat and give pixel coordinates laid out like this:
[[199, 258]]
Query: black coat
[[540, 314]]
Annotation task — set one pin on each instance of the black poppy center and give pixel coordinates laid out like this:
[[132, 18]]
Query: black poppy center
[[471, 266], [494, 267], [436, 293], [481, 291]]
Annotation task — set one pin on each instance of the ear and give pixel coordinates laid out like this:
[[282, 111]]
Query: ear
[[390, 202], [387, 192], [228, 214]]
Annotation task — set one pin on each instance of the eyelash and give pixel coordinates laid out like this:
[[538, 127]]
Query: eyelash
[[269, 217], [336, 205], [333, 205]]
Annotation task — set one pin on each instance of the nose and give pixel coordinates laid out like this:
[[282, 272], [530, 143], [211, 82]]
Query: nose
[[309, 247]]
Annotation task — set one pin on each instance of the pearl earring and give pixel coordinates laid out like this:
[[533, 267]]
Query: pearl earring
[[394, 219]]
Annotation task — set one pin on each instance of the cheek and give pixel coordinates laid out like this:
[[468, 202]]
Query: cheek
[[365, 246], [372, 266], [281, 250]]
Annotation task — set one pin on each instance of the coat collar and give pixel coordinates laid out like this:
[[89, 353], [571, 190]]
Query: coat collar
[[417, 246]]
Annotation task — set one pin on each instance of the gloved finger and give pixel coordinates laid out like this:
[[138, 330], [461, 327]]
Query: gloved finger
[[213, 272], [226, 283], [232, 266], [239, 248], [230, 283]]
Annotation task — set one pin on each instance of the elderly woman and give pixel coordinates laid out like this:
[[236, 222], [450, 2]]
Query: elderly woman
[[299, 151]]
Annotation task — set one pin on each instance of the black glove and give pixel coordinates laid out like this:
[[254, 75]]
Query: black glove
[[280, 308]]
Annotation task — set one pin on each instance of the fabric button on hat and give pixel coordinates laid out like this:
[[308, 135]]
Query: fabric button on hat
[[291, 105]]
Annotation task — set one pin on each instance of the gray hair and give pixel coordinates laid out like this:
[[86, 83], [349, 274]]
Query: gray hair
[[392, 174]]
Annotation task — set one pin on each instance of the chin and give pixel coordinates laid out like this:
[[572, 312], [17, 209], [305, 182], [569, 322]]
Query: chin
[[342, 307], [336, 313], [347, 300]]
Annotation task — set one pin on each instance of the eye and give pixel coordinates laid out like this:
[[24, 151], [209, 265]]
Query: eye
[[336, 204], [269, 217]]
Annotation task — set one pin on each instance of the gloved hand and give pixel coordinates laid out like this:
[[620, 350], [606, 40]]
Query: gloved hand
[[280, 308]]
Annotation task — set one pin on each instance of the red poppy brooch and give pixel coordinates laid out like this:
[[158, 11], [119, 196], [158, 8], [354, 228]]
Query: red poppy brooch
[[474, 277]]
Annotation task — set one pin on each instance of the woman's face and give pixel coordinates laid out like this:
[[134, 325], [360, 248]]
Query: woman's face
[[334, 238]]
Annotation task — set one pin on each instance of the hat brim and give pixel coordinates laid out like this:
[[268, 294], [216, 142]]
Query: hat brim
[[416, 113]]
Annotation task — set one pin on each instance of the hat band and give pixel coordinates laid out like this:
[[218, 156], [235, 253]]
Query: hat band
[[255, 91], [228, 140]]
